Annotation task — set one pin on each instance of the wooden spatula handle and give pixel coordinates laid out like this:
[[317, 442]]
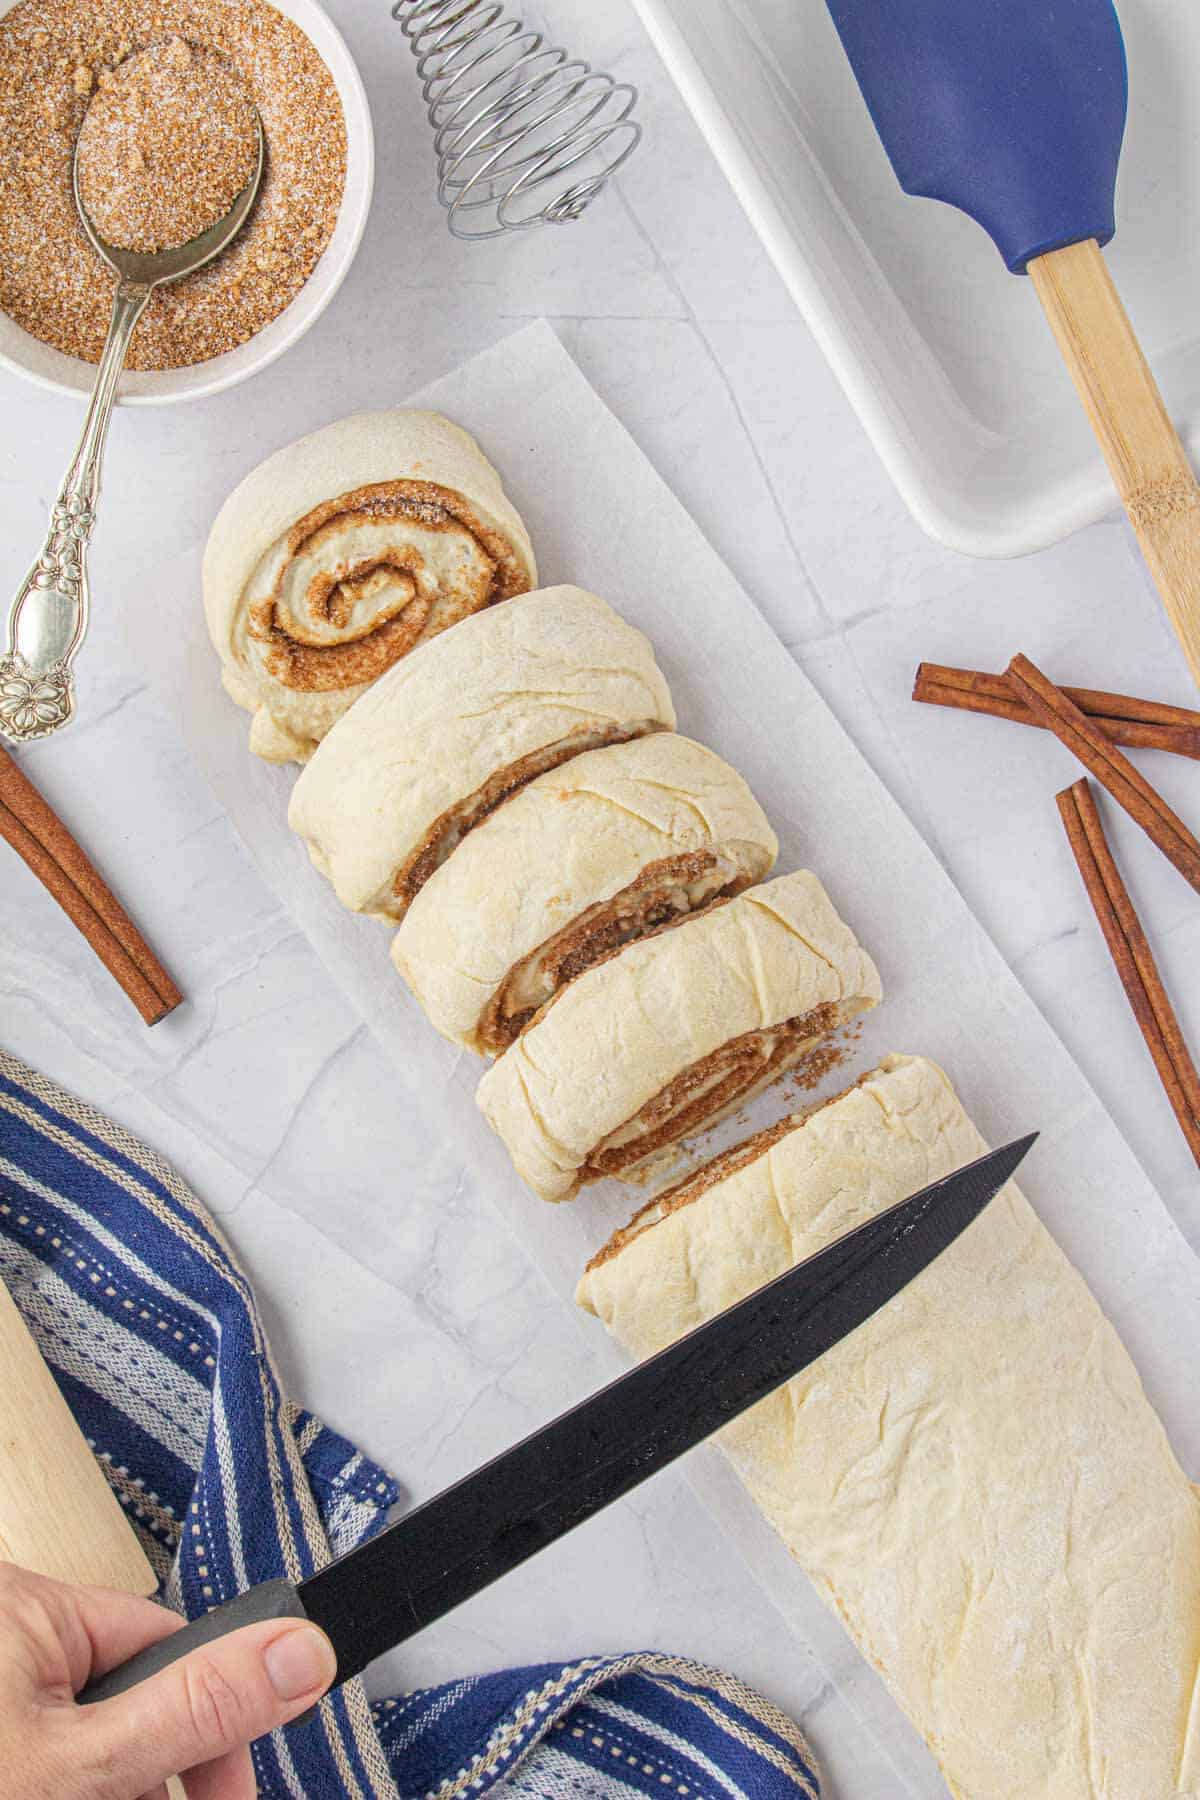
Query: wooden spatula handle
[[58, 1515], [1141, 446]]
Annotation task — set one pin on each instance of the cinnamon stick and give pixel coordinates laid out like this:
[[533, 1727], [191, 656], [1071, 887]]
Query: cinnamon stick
[[1133, 958], [1124, 719], [42, 841], [1112, 769]]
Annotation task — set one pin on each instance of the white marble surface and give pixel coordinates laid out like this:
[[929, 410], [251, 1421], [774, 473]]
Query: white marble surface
[[397, 1305]]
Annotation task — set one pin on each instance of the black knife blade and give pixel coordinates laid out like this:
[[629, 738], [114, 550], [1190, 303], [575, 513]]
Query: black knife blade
[[430, 1561]]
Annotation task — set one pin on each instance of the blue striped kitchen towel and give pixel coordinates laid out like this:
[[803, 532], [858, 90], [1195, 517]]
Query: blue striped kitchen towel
[[151, 1330]]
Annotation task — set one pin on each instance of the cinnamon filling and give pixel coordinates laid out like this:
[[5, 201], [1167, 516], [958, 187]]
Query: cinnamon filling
[[720, 1168], [663, 893], [692, 1187], [383, 582], [333, 667], [359, 614], [707, 1090], [447, 833]]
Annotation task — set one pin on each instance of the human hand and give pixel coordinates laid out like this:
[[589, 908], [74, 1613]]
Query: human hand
[[196, 1718]]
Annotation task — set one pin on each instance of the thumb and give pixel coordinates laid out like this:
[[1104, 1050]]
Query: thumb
[[215, 1700]]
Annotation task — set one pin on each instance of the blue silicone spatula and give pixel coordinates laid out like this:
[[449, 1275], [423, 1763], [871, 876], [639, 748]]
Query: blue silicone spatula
[[1013, 111]]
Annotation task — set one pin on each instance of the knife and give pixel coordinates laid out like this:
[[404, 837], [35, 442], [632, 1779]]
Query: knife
[[391, 1587]]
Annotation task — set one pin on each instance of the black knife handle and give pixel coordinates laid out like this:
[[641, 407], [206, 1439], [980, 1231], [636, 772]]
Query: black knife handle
[[270, 1600]]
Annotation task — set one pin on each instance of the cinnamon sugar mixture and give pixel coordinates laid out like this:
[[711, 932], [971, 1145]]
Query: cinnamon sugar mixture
[[54, 54], [166, 146]]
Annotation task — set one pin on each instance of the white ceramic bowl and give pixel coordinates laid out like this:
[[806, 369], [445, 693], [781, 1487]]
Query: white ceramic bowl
[[26, 355]]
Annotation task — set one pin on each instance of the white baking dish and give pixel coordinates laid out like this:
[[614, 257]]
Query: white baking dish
[[946, 357]]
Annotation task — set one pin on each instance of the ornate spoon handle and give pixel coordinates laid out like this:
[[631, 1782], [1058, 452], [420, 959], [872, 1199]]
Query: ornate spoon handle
[[49, 616]]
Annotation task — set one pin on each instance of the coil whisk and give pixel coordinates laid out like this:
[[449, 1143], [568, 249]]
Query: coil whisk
[[523, 133]]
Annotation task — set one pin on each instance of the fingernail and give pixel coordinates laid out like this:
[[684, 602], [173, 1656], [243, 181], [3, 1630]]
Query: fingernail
[[300, 1661]]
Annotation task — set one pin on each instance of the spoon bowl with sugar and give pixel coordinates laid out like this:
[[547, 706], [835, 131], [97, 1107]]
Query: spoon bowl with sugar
[[48, 617]]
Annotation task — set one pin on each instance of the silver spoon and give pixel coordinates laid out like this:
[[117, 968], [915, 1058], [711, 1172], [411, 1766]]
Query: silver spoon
[[49, 616]]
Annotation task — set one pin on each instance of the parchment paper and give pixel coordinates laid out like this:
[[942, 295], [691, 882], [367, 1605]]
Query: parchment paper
[[600, 516]]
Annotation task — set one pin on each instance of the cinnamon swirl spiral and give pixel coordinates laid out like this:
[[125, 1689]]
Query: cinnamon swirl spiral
[[341, 554]]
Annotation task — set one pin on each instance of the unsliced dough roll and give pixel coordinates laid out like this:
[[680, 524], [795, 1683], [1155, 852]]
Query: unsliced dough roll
[[588, 857], [673, 1031], [459, 726], [341, 553], [974, 1479]]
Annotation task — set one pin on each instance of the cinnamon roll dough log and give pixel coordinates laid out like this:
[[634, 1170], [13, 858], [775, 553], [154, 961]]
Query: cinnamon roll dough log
[[590, 856], [672, 1032], [341, 553], [444, 738], [974, 1479]]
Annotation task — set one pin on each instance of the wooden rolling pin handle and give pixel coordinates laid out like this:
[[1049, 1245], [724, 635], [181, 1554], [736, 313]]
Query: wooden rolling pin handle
[[1141, 446], [58, 1515]]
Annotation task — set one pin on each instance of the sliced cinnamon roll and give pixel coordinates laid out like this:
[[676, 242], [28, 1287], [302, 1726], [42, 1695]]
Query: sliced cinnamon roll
[[452, 732], [586, 858], [669, 1034], [340, 554]]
